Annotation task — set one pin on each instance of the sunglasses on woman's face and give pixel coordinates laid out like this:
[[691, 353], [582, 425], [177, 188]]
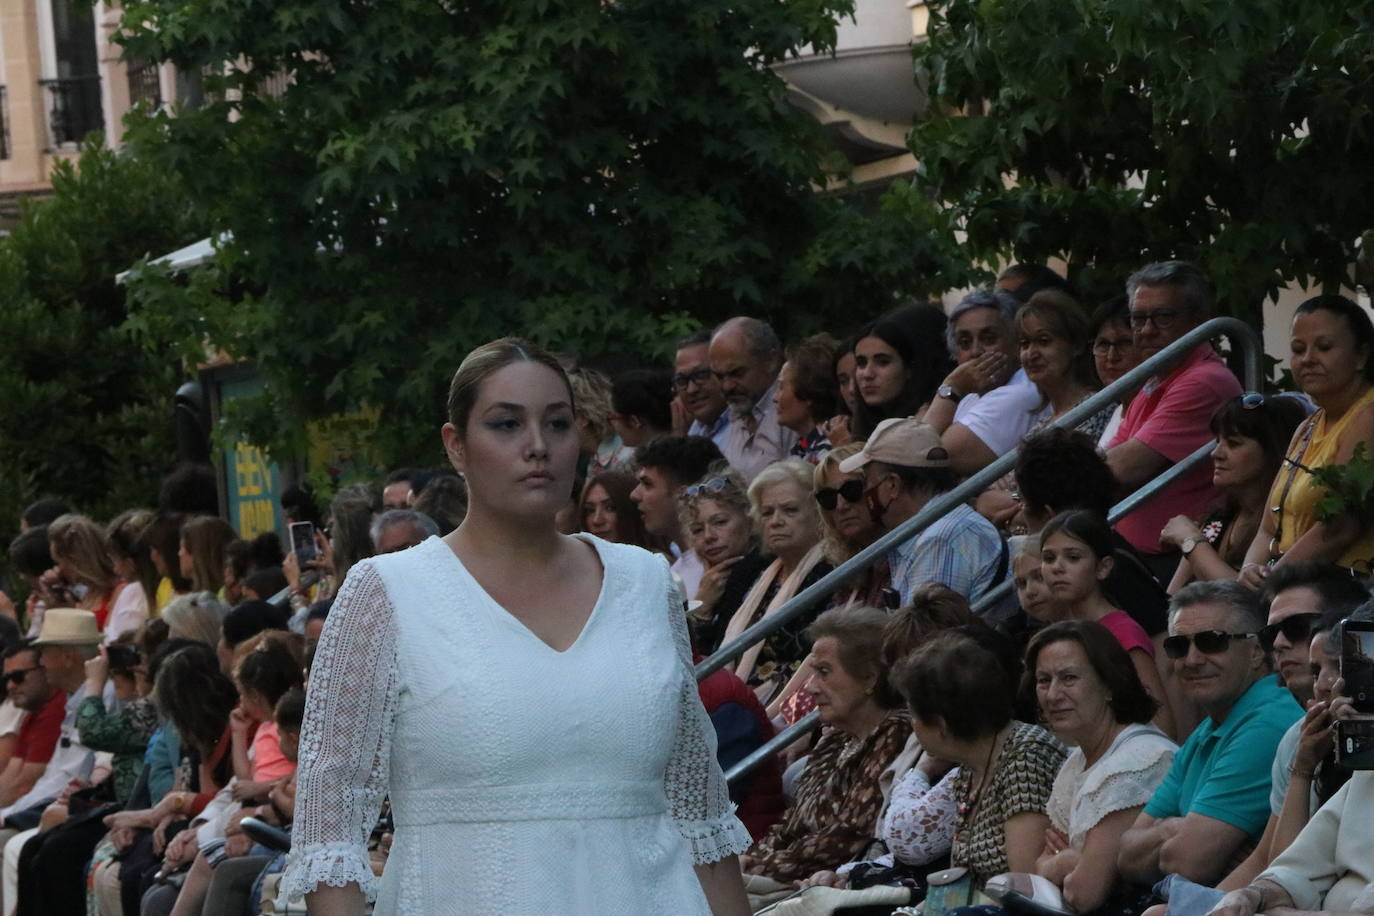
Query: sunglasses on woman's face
[[829, 497], [1208, 642], [1297, 629]]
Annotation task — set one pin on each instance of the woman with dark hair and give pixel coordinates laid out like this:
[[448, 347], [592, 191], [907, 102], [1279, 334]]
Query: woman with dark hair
[[610, 514], [961, 695], [1091, 698], [805, 395], [1252, 433], [1077, 555], [1332, 358], [839, 797], [30, 559], [129, 554], [1114, 354], [837, 428], [163, 540], [515, 630], [899, 361]]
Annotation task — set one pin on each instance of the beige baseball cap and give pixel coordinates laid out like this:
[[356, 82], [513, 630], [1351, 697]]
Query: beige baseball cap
[[903, 441]]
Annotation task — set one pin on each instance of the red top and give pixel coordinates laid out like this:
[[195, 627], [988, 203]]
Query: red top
[[1172, 415], [38, 735]]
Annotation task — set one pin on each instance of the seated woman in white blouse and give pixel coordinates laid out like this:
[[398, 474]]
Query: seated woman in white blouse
[[1090, 697]]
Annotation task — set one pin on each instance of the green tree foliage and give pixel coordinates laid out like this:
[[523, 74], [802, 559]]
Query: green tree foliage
[[86, 410], [1239, 135], [598, 176]]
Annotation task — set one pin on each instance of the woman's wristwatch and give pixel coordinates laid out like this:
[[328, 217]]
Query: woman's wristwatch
[[948, 393]]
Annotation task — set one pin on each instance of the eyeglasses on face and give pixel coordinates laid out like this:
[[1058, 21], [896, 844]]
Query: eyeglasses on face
[[1208, 642], [829, 497], [707, 488], [1161, 318], [684, 380], [1103, 345], [15, 678], [1296, 629]]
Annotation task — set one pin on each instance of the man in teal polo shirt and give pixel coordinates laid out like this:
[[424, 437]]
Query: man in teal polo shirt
[[1214, 802]]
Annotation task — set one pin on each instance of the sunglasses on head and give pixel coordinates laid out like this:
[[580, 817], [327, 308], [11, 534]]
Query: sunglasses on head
[[1252, 400], [15, 678], [706, 488], [1296, 629], [1208, 642], [829, 497]]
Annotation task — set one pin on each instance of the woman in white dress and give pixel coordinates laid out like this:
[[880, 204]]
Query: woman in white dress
[[525, 698]]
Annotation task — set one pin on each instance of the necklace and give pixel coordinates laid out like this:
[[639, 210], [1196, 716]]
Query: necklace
[[967, 807]]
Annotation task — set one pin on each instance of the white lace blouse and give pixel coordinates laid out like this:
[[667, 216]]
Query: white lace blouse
[[1125, 777], [521, 779]]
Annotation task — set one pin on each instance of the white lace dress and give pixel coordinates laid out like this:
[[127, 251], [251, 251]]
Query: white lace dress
[[1124, 777], [522, 780]]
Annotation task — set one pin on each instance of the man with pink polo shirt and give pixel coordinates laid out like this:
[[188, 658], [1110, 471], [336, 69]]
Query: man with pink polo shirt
[[1170, 417]]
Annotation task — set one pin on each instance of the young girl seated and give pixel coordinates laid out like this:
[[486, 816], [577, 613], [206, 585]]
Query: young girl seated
[[1076, 558]]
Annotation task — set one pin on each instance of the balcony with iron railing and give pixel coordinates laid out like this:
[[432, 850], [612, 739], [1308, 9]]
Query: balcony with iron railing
[[145, 83], [74, 109]]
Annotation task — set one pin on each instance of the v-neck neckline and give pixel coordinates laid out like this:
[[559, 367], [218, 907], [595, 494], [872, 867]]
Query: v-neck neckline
[[501, 612]]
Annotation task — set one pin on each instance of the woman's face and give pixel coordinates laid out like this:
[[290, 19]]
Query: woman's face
[[185, 562], [719, 531], [598, 514], [793, 414], [1114, 351], [880, 373], [1072, 697], [850, 520], [844, 378], [1326, 668], [519, 450], [1047, 358], [1031, 590], [1325, 358], [841, 699], [1237, 461], [787, 522], [64, 564], [124, 567], [1072, 571], [255, 705]]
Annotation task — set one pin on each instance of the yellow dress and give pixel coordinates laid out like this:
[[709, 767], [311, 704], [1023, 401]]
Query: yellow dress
[[165, 594], [1300, 497]]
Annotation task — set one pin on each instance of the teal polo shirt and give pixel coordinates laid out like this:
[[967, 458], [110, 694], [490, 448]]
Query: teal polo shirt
[[1223, 770]]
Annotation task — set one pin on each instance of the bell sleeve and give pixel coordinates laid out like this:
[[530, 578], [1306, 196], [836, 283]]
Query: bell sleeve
[[698, 796], [345, 745]]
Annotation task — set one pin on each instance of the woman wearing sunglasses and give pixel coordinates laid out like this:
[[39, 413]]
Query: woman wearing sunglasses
[[1333, 362], [848, 527], [1252, 432]]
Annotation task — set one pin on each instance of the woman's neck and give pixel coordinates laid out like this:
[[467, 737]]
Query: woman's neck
[[1095, 742], [515, 541], [791, 560], [1337, 403], [1063, 394], [1094, 607], [866, 720], [981, 755], [1251, 497]]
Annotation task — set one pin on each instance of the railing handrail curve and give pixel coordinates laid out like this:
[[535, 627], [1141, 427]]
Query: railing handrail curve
[[1241, 335]]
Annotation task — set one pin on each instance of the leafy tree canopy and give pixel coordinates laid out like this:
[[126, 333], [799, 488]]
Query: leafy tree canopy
[[1238, 135], [87, 410], [598, 176]]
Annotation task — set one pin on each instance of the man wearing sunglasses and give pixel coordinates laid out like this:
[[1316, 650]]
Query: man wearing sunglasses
[[905, 466], [1214, 800], [1170, 418], [28, 686], [1303, 598]]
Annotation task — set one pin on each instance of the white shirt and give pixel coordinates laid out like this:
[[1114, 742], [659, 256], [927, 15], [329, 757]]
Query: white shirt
[[70, 760], [1002, 417], [770, 442]]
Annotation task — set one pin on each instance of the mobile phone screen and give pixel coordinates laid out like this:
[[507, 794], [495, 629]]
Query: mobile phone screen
[[303, 542], [1357, 664]]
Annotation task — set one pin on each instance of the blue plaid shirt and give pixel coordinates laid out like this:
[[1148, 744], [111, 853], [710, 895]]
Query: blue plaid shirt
[[961, 550]]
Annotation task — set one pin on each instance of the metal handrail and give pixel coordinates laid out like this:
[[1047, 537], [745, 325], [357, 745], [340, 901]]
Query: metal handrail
[[1240, 334], [806, 723]]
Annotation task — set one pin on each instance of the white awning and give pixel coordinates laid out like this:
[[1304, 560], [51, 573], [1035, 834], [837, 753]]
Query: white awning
[[193, 255]]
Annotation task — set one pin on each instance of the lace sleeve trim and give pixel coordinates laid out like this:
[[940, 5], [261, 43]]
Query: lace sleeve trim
[[345, 744], [331, 865], [698, 797]]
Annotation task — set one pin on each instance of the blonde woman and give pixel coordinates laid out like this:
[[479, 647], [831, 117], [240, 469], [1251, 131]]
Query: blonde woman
[[83, 575]]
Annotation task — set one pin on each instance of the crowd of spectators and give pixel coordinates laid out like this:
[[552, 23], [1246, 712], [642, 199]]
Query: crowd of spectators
[[1134, 712]]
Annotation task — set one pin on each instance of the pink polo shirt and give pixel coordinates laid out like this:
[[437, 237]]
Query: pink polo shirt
[[1171, 415]]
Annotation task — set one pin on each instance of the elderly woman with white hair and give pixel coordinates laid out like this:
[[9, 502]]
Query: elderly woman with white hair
[[785, 513]]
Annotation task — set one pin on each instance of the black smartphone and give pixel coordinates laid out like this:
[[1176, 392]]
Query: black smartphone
[[122, 658], [1357, 663], [303, 543]]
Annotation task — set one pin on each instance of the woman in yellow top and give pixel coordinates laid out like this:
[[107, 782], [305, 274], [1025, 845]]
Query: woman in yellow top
[[1333, 361]]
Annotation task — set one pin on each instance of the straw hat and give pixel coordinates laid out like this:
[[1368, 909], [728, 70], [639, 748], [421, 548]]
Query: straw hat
[[68, 626]]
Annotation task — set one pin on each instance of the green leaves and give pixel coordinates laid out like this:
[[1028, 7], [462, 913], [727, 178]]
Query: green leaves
[[1349, 487]]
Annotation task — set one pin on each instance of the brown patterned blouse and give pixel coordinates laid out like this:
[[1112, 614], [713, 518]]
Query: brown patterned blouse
[[1022, 777], [837, 806]]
